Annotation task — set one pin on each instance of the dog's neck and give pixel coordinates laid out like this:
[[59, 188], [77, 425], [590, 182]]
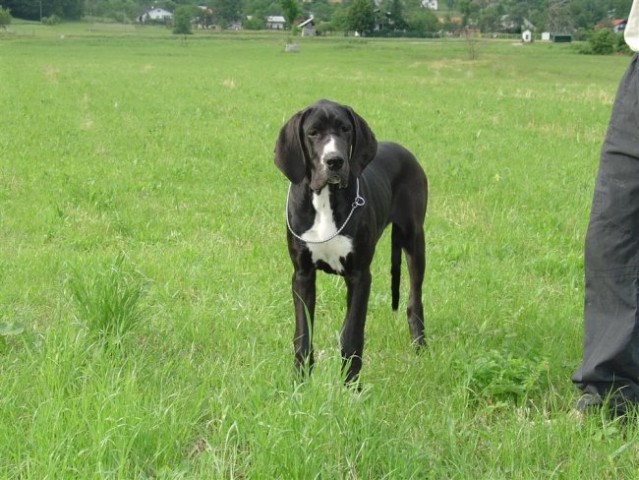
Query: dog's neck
[[324, 226]]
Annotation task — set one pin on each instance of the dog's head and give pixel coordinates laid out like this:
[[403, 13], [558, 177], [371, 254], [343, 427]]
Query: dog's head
[[324, 143]]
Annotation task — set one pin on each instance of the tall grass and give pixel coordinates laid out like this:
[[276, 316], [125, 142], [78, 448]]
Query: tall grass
[[140, 210], [108, 303]]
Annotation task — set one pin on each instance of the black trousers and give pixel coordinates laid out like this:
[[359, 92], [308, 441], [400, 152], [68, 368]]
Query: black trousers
[[610, 363]]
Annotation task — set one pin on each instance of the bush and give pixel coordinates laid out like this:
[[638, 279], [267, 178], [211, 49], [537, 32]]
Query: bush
[[5, 18], [622, 46], [423, 23], [52, 20], [584, 49], [182, 20], [603, 42], [120, 17], [582, 34], [255, 23]]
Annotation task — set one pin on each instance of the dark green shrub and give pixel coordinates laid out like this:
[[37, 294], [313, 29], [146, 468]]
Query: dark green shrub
[[182, 20], [5, 18], [51, 20], [622, 46], [254, 23], [603, 42]]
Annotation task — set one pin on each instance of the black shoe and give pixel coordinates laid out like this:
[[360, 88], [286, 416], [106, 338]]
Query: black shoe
[[620, 406], [616, 405], [589, 403]]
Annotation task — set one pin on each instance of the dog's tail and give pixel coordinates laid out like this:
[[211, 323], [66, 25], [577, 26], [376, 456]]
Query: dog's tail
[[396, 264]]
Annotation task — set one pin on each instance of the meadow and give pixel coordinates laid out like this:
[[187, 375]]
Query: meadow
[[145, 308]]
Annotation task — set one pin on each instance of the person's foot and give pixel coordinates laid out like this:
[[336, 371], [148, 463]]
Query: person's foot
[[588, 403], [616, 405], [620, 406]]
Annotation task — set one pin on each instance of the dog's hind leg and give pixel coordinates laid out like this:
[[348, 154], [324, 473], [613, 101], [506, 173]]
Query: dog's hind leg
[[396, 265], [414, 248]]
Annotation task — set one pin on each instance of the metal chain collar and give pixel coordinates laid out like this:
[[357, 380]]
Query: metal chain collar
[[358, 202]]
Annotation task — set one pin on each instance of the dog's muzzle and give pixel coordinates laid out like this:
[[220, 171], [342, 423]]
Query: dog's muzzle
[[336, 170]]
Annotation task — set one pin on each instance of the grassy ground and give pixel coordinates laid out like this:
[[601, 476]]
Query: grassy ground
[[145, 312]]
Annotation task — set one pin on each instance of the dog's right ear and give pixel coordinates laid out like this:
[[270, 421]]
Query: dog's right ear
[[289, 152]]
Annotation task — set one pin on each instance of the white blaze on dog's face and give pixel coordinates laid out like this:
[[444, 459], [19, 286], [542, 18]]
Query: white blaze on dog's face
[[333, 162], [328, 141]]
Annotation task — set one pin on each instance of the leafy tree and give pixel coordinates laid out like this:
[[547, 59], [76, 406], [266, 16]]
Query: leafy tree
[[291, 11], [339, 19], [37, 9], [27, 9], [559, 17], [205, 17], [5, 18], [490, 18], [182, 20], [361, 16], [261, 8], [396, 15], [469, 10], [229, 10], [321, 10], [423, 22], [584, 14]]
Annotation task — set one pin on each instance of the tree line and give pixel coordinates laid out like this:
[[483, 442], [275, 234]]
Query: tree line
[[360, 15]]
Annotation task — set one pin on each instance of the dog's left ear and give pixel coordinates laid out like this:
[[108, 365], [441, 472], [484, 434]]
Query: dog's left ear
[[289, 152], [364, 143]]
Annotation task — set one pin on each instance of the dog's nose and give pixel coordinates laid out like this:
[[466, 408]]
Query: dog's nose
[[335, 163]]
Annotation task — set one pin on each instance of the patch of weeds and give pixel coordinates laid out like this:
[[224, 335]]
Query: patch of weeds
[[499, 377], [9, 329], [108, 302]]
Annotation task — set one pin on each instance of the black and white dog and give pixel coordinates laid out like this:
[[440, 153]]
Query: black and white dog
[[345, 189]]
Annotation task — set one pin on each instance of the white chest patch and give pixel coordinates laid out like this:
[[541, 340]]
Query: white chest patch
[[336, 249]]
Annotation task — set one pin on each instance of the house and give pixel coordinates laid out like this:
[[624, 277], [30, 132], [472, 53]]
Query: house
[[307, 27], [619, 25], [155, 14], [275, 22], [430, 4]]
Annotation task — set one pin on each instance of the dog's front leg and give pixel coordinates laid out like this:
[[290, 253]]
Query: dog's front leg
[[358, 286], [303, 286]]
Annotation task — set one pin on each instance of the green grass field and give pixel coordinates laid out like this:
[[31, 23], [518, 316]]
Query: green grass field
[[145, 310]]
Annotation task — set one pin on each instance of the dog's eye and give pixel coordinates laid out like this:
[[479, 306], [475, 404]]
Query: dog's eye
[[312, 133], [346, 128]]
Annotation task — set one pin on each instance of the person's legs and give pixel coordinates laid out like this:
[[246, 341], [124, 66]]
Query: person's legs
[[610, 364]]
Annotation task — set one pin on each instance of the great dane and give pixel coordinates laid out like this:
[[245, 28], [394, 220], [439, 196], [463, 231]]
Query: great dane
[[345, 188]]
